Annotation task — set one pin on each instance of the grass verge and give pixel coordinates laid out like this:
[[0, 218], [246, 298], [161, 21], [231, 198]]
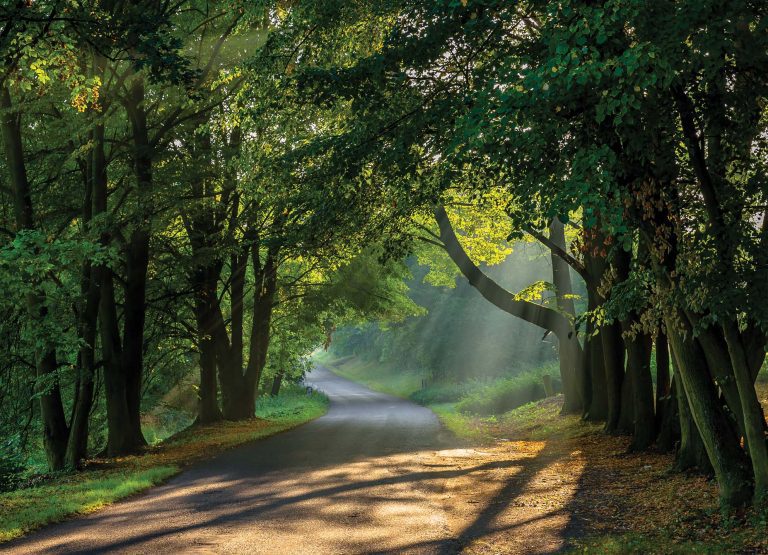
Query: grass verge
[[102, 482]]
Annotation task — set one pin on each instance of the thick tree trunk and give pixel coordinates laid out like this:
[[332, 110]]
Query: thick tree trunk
[[754, 421], [137, 259], [571, 359], [726, 456], [570, 352], [639, 347], [613, 353], [715, 349], [539, 315], [597, 410], [691, 453], [55, 429], [134, 314], [206, 303], [120, 440]]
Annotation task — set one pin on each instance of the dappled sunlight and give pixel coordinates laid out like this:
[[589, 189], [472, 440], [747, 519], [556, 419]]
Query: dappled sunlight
[[440, 497], [522, 509]]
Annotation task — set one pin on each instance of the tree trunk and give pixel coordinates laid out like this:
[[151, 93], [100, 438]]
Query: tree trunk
[[639, 347], [538, 315], [206, 302], [120, 440], [667, 421], [613, 352], [55, 430], [276, 383], [137, 260], [691, 453], [599, 397], [726, 456], [754, 421], [571, 359], [570, 351], [263, 302], [77, 445]]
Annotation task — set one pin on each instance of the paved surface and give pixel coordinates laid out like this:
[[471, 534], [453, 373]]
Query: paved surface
[[364, 478]]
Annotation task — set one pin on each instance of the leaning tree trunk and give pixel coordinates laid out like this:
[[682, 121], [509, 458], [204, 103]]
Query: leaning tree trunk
[[726, 456], [539, 315], [754, 421]]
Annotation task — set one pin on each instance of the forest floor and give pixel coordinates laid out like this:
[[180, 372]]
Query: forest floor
[[585, 490], [50, 498]]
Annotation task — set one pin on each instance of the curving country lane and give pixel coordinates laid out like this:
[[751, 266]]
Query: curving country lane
[[360, 479]]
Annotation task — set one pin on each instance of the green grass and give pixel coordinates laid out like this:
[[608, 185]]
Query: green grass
[[500, 396], [104, 482], [463, 425], [29, 508]]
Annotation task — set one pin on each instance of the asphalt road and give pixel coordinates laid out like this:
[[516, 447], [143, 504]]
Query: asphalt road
[[361, 479]]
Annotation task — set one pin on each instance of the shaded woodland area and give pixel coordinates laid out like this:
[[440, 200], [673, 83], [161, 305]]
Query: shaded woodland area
[[200, 193]]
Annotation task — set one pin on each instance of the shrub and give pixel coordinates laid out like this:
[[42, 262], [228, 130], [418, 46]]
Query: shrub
[[442, 393], [506, 394], [11, 463]]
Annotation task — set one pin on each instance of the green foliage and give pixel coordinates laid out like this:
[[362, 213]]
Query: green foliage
[[459, 338], [506, 394], [291, 404], [443, 393], [12, 463], [30, 508]]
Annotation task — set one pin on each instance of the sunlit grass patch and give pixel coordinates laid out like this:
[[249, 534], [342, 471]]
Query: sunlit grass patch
[[106, 481], [462, 425], [535, 421], [29, 508], [502, 395]]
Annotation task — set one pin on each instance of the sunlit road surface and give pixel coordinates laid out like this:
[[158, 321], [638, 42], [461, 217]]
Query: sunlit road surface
[[376, 474]]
